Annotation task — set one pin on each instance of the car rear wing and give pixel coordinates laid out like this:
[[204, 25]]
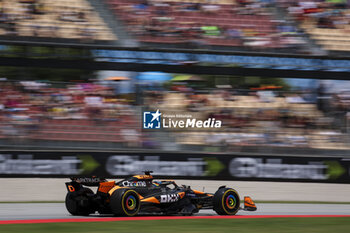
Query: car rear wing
[[88, 181]]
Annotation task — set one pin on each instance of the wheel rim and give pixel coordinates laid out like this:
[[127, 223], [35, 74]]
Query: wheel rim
[[230, 201], [131, 202]]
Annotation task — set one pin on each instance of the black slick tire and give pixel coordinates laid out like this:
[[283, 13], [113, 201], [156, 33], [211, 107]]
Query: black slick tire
[[79, 204], [226, 201], [125, 202]]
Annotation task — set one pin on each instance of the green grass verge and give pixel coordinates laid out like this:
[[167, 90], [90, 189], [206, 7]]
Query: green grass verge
[[274, 225]]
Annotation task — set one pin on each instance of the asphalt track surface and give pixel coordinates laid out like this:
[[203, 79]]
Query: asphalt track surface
[[28, 211]]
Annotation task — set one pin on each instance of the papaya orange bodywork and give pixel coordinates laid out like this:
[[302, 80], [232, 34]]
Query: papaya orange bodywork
[[181, 194], [106, 186], [201, 193], [151, 199], [71, 188], [143, 177], [249, 202], [110, 192]]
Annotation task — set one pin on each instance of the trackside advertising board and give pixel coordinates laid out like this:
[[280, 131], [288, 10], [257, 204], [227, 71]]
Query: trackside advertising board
[[175, 165]]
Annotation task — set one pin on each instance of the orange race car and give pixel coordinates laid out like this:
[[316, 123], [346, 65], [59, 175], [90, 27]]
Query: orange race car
[[141, 194]]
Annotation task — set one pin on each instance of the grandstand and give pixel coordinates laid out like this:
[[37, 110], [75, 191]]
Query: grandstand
[[83, 112], [284, 26], [88, 113], [96, 114], [223, 23], [62, 19], [326, 22], [279, 120]]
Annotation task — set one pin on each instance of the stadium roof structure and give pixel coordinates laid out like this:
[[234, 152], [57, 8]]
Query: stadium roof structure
[[178, 61]]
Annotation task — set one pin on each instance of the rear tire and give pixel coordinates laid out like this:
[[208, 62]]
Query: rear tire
[[79, 205], [226, 201], [125, 202]]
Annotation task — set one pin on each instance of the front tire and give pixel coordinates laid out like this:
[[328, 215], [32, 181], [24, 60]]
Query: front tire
[[79, 204], [125, 202], [226, 201]]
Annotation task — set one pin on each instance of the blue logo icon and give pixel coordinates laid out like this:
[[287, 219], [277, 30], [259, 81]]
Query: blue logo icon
[[151, 120]]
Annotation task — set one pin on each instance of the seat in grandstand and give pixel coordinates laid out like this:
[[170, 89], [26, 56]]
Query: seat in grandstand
[[123, 131], [326, 22], [224, 23], [60, 19]]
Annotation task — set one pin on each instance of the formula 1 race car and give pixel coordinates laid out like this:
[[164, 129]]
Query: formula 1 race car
[[140, 194]]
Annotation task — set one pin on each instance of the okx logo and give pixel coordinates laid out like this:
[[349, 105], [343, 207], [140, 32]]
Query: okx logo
[[151, 120]]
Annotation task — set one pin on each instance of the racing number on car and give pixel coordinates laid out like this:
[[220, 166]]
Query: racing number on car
[[71, 188], [169, 198]]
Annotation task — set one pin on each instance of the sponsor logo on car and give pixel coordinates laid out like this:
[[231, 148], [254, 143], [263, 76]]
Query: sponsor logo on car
[[134, 183], [169, 198]]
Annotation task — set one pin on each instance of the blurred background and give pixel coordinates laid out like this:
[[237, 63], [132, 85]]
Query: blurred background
[[258, 114], [77, 75]]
